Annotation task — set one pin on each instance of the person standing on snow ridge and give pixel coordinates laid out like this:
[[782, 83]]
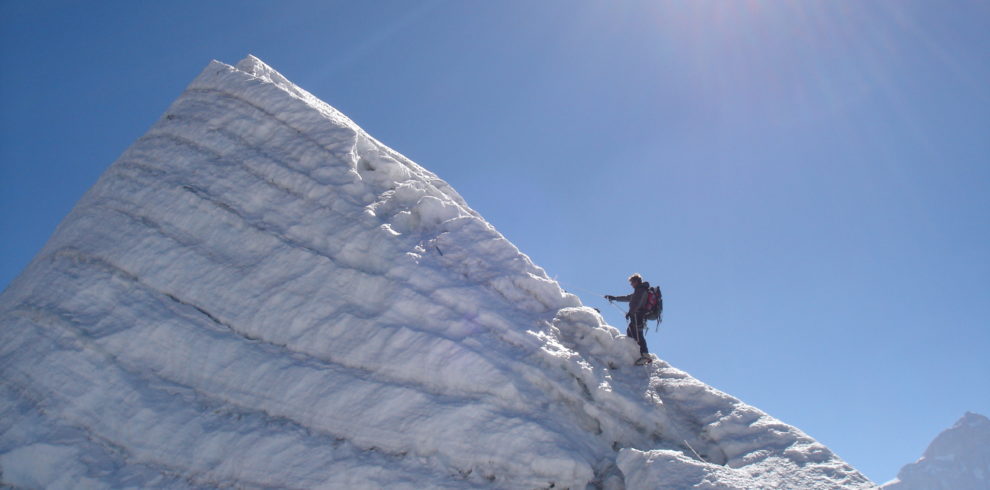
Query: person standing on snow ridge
[[637, 314]]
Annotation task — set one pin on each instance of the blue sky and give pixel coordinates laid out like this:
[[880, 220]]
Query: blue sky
[[809, 182]]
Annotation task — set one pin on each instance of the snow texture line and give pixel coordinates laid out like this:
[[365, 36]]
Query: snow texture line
[[210, 402]]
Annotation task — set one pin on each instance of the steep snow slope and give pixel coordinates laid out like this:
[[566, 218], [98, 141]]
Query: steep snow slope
[[257, 293], [958, 459]]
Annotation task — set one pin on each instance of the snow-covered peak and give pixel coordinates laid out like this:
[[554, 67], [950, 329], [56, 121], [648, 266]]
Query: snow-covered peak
[[259, 294], [958, 459], [254, 66]]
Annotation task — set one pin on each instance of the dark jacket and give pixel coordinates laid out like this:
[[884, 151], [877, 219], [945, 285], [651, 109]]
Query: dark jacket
[[637, 300]]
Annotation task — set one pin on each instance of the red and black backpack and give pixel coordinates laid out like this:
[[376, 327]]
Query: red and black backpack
[[654, 304]]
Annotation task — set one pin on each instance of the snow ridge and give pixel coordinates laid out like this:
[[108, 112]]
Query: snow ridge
[[259, 294], [958, 459]]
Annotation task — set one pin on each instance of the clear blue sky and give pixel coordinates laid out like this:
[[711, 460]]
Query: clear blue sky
[[808, 181]]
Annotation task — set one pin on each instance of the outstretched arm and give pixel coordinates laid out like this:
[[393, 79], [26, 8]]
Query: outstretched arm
[[624, 299]]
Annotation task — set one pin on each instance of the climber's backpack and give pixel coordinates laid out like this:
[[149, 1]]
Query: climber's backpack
[[654, 304]]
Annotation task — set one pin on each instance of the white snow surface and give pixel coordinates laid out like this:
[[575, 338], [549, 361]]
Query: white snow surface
[[958, 459], [259, 294]]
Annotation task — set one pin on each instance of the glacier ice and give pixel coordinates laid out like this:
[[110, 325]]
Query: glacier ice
[[257, 293]]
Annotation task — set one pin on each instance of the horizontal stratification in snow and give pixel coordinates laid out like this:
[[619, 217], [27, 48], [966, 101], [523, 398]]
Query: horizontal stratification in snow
[[258, 293]]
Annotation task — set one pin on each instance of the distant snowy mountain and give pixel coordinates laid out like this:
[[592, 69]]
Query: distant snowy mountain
[[958, 459], [259, 294]]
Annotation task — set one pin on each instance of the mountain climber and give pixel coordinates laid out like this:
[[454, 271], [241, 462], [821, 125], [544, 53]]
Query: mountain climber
[[636, 314]]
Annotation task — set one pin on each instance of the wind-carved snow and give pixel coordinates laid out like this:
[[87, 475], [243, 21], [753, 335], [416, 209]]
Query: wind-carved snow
[[958, 459], [259, 294]]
